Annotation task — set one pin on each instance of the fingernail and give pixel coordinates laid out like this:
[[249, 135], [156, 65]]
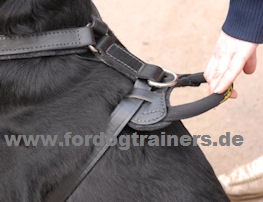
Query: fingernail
[[212, 88], [217, 90]]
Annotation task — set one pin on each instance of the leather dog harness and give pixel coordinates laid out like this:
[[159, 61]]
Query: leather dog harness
[[145, 108]]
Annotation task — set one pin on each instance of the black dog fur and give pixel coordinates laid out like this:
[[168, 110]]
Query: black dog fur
[[54, 95]]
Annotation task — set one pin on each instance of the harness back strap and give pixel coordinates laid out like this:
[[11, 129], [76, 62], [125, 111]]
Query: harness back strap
[[115, 55]]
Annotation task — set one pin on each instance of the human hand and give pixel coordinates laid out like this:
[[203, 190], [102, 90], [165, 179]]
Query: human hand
[[230, 57]]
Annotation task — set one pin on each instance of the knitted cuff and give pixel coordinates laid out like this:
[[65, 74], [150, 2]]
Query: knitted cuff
[[245, 20]]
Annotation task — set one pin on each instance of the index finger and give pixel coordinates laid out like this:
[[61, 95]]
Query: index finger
[[231, 73]]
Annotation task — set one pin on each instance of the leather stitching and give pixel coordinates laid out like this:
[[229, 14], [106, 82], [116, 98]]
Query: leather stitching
[[45, 46], [116, 59], [162, 111]]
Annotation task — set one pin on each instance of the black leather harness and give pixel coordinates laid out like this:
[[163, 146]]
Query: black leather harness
[[145, 108]]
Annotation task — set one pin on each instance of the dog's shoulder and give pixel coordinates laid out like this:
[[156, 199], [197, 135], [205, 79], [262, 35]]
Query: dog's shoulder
[[69, 95]]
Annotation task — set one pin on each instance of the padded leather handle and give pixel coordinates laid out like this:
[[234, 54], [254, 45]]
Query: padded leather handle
[[197, 107]]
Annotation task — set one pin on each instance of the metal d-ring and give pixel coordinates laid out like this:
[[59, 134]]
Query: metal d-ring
[[165, 84]]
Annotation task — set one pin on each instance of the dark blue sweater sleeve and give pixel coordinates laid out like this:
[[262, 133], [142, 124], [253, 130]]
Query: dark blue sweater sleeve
[[245, 20]]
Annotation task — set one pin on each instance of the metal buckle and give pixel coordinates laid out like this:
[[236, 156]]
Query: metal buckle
[[92, 47], [165, 84]]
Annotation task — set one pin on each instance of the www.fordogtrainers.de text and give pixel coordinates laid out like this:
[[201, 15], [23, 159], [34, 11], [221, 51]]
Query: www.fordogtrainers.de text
[[124, 141]]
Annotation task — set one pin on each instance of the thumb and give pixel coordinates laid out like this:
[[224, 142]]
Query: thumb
[[251, 64]]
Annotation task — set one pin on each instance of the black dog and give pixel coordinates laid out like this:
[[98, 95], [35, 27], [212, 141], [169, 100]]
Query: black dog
[[76, 93]]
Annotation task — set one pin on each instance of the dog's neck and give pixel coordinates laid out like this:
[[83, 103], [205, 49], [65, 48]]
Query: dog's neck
[[34, 80]]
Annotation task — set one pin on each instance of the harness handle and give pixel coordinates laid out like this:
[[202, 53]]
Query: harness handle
[[197, 107], [157, 113]]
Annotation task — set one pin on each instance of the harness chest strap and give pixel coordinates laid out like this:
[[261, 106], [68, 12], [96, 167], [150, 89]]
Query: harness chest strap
[[118, 120]]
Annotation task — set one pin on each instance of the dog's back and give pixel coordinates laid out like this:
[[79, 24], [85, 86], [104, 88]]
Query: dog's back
[[56, 95]]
